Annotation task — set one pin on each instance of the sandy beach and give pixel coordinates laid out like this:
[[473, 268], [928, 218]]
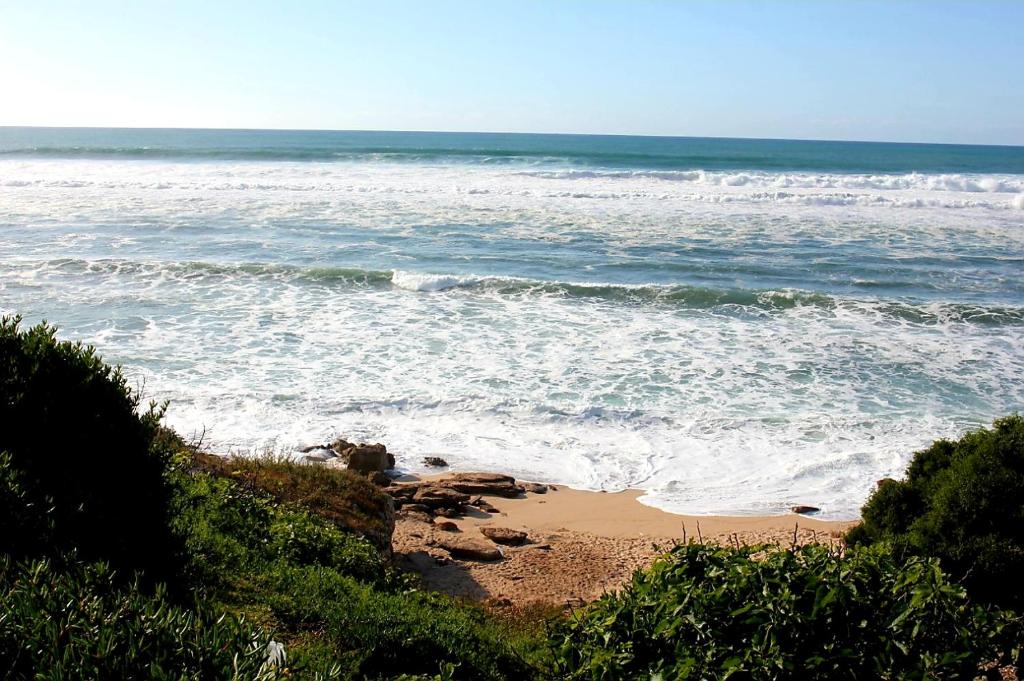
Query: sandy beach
[[579, 543]]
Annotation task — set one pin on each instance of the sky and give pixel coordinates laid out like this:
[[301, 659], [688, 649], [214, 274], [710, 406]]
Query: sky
[[891, 71]]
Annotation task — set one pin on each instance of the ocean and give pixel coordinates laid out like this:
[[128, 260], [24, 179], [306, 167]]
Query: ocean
[[733, 326]]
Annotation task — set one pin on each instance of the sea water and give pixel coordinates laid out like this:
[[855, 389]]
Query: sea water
[[733, 326]]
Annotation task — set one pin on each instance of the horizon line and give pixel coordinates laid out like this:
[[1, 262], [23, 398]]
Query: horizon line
[[505, 132]]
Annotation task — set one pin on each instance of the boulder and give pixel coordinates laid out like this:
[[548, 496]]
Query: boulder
[[434, 461], [341, 445], [319, 455], [535, 487], [469, 549], [401, 491], [367, 458], [439, 497], [363, 457], [379, 478], [445, 525], [504, 535], [802, 510], [419, 516], [484, 483]]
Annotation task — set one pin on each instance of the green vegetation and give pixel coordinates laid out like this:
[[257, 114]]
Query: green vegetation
[[807, 613], [125, 553], [325, 592], [81, 621], [962, 502], [72, 434]]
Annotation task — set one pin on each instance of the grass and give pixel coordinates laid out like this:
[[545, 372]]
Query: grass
[[344, 498], [265, 540]]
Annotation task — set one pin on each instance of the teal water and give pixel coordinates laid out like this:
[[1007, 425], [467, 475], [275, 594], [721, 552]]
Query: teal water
[[731, 325], [670, 153]]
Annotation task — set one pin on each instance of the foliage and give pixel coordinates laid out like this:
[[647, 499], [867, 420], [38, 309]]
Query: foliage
[[327, 593], [766, 613], [80, 621], [377, 634], [81, 451], [345, 498], [229, 529], [962, 502]]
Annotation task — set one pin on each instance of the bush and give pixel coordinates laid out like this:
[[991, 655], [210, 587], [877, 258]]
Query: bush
[[962, 502], [344, 497], [82, 622], [81, 451], [229, 529], [327, 593], [374, 634], [764, 613]]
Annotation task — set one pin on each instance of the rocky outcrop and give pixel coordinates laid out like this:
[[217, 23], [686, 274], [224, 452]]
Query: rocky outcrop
[[504, 535], [804, 510], [469, 549], [436, 497], [434, 462], [484, 483], [445, 525], [364, 458]]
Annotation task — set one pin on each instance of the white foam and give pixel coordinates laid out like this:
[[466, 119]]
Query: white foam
[[727, 409], [429, 282]]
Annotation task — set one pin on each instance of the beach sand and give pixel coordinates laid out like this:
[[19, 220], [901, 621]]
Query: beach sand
[[580, 544]]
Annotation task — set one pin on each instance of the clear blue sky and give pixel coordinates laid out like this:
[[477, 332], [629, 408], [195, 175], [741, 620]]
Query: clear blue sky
[[908, 71]]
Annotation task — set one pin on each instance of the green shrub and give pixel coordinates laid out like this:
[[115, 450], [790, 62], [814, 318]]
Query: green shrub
[[706, 612], [962, 502], [345, 498], [81, 451], [81, 622], [327, 593], [375, 634], [229, 529]]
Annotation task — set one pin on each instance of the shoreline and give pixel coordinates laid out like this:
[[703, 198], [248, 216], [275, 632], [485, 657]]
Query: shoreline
[[580, 543]]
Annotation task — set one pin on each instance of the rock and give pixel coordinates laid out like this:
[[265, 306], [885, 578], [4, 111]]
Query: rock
[[319, 455], [440, 497], [419, 508], [470, 549], [401, 491], [340, 445], [484, 483], [416, 515], [476, 501], [313, 448], [804, 509], [367, 458], [435, 461], [379, 478], [449, 512], [485, 506], [884, 481], [446, 525], [363, 457], [535, 487], [504, 535]]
